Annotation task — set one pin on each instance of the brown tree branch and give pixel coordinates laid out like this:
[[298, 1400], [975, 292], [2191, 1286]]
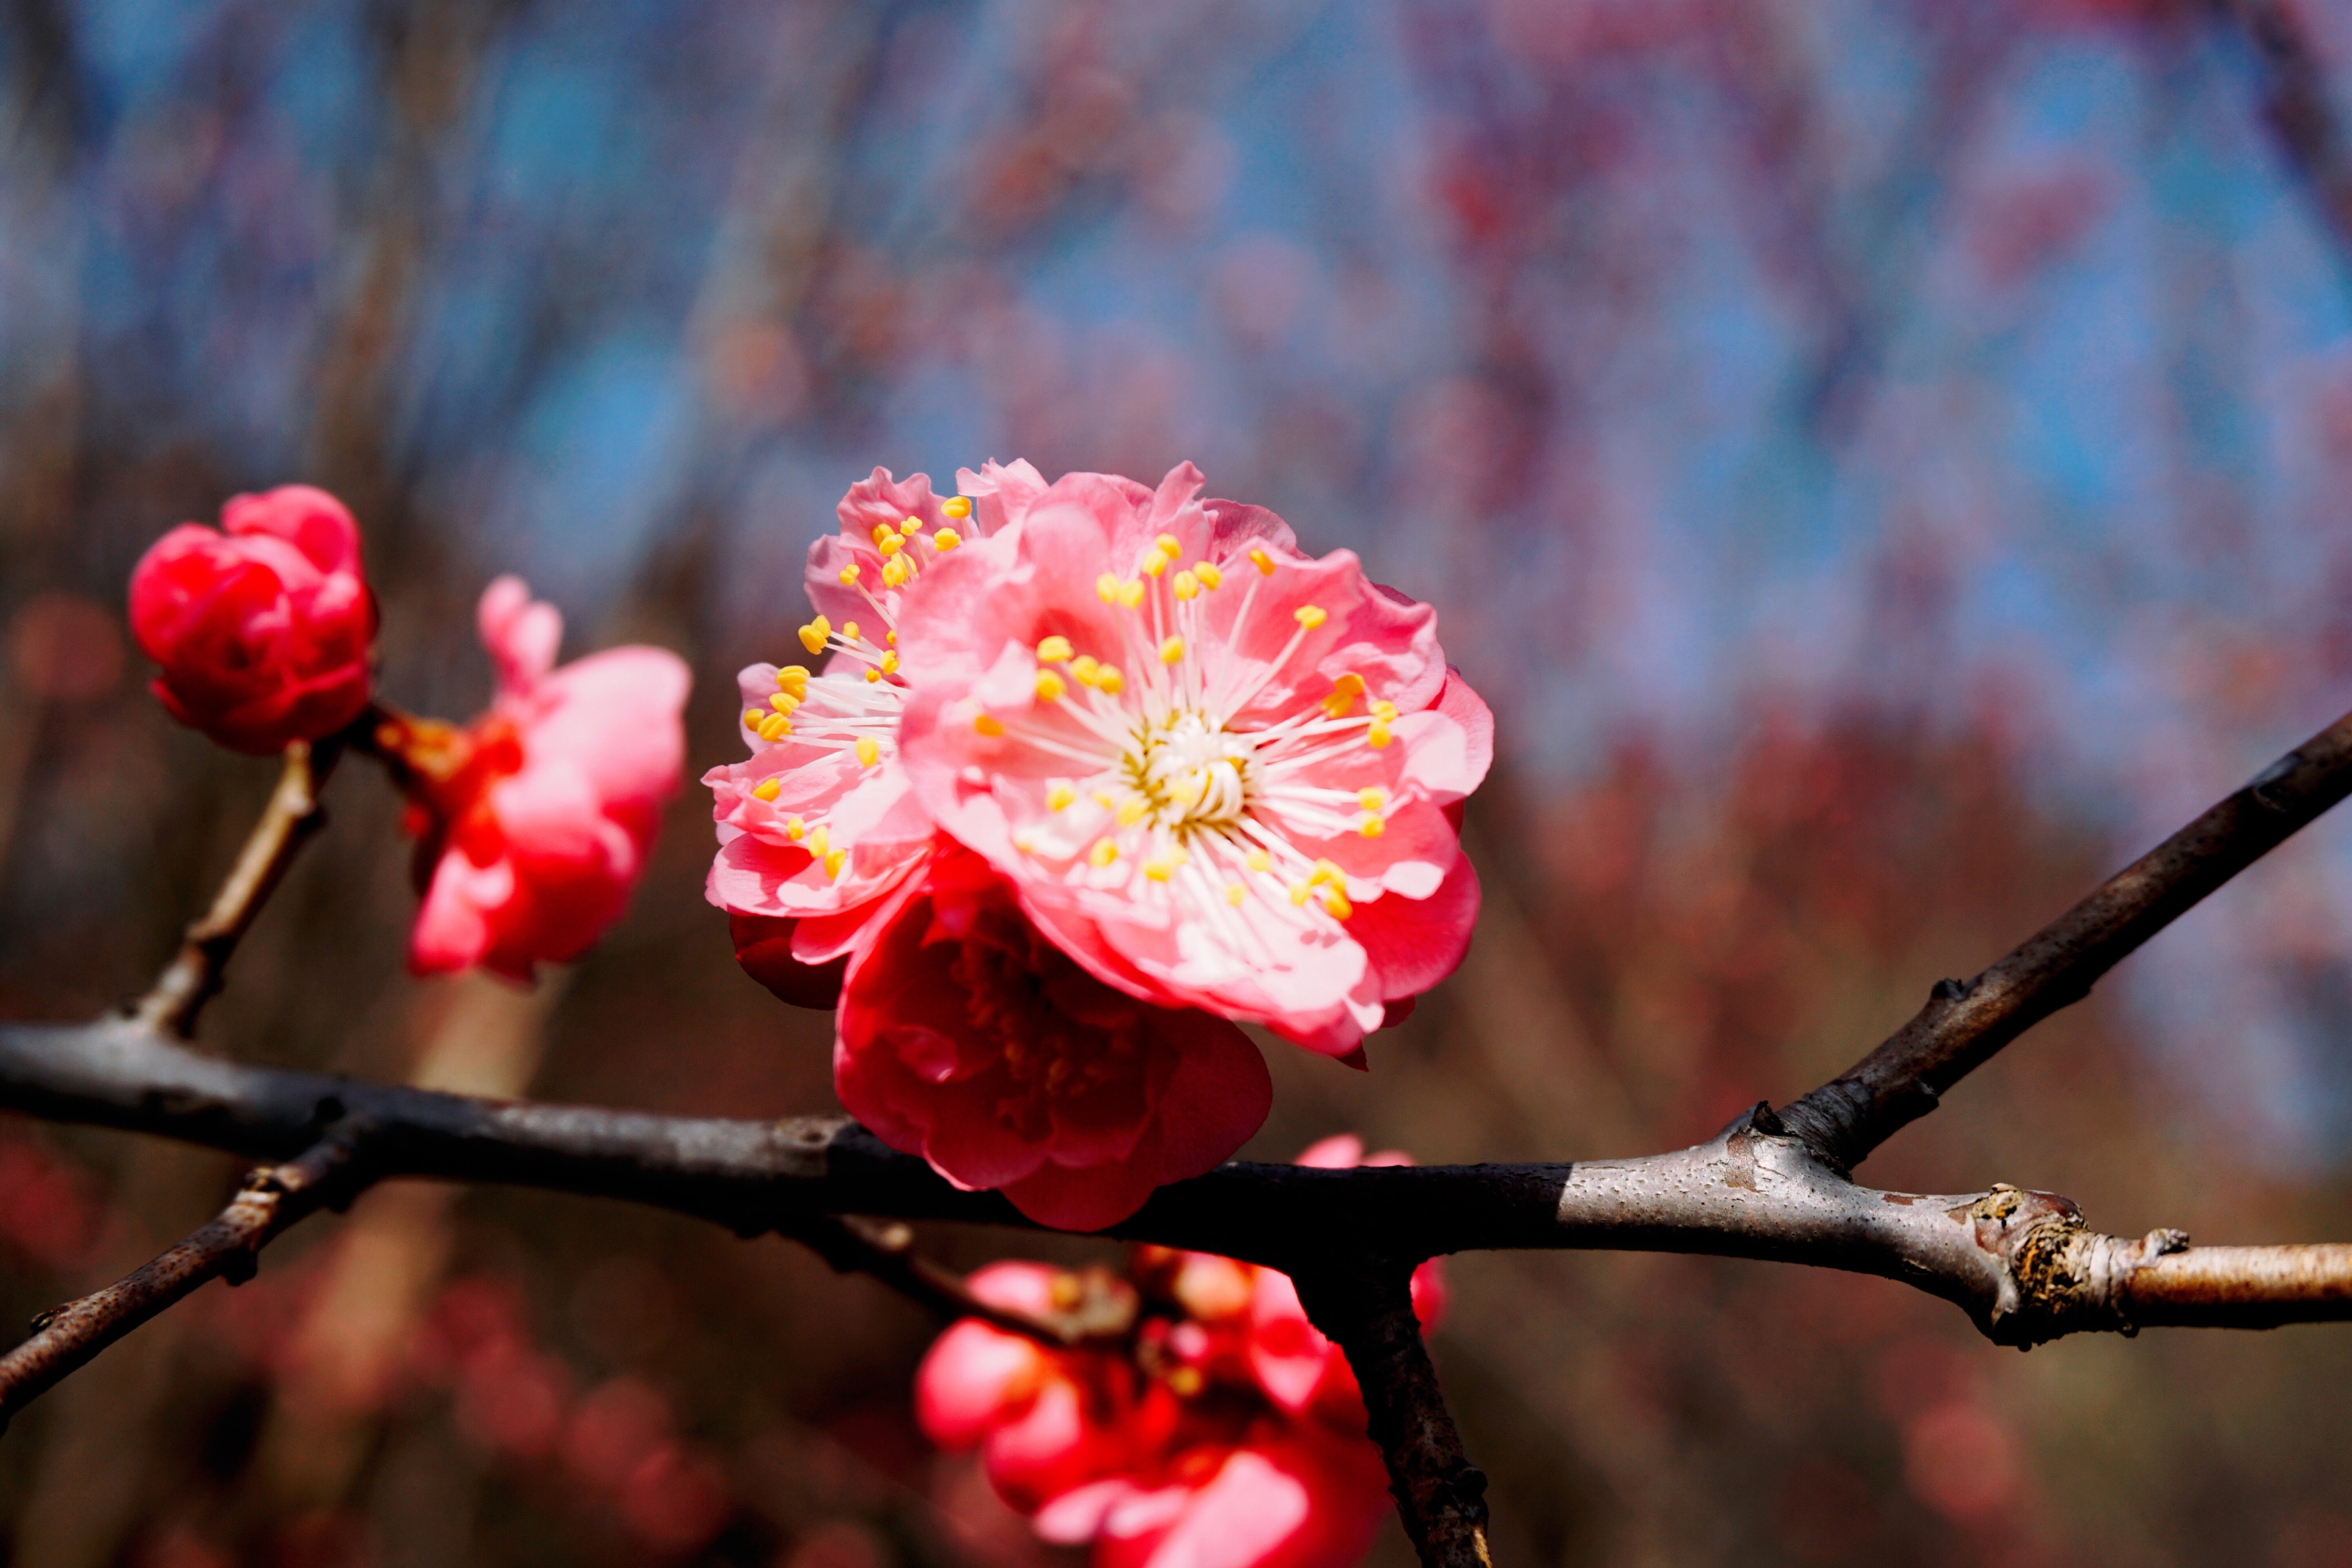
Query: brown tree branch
[[886, 1252], [69, 1337], [287, 823], [1964, 1023]]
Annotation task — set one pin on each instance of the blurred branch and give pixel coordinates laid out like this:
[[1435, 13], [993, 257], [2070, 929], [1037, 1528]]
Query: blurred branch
[[2296, 103], [65, 1339], [1368, 1312], [1964, 1023], [287, 823]]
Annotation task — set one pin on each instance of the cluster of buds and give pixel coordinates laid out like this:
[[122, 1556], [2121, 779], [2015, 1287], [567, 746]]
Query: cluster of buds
[[1202, 1423], [532, 823]]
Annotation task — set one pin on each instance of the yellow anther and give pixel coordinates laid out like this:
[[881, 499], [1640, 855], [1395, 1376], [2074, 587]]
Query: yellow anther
[[1235, 893], [873, 676], [849, 575], [1299, 893], [1187, 585], [1171, 544], [1171, 650], [1310, 615], [751, 716], [891, 545], [893, 573], [1341, 699], [1336, 904], [1051, 688], [882, 532], [850, 632], [768, 789], [835, 860], [1258, 860], [1160, 867], [1132, 810], [1186, 1380], [869, 750], [820, 841], [774, 727], [1103, 853], [1109, 681], [1210, 578], [1372, 826], [946, 539], [1130, 593], [957, 507], [910, 526], [1155, 562], [1263, 561], [814, 635], [1377, 736], [987, 724], [783, 702], [794, 678], [1106, 589], [1371, 797], [1385, 711], [1102, 797], [889, 664], [1054, 650], [1085, 669], [890, 638], [794, 827], [1060, 797], [1325, 872]]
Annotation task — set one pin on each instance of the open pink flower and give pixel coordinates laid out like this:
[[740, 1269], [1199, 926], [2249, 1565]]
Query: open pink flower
[[1219, 773], [966, 1037], [537, 818], [819, 820], [1302, 1497], [262, 628]]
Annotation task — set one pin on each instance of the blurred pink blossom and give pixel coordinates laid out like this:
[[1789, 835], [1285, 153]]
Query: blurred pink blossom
[[537, 819]]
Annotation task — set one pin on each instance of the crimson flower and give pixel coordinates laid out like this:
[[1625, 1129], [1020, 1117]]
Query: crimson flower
[[967, 1037], [262, 627]]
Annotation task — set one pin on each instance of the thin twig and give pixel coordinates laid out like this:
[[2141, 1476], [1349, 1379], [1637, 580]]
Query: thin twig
[[66, 1338], [289, 820], [886, 1253], [1965, 1022]]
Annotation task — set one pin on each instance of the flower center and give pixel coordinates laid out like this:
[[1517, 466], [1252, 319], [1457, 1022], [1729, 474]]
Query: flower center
[[1192, 773]]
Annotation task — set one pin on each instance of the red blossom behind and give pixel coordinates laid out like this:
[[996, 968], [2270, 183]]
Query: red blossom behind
[[1222, 1432]]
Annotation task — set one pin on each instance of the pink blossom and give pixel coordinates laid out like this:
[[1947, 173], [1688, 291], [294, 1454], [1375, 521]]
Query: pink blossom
[[262, 628], [1303, 1497], [1219, 773], [819, 820], [538, 817], [966, 1037]]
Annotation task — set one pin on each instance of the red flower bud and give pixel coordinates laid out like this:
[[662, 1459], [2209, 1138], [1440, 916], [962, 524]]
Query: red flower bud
[[263, 627]]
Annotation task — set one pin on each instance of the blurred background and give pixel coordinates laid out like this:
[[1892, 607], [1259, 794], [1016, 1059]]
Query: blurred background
[[1887, 461]]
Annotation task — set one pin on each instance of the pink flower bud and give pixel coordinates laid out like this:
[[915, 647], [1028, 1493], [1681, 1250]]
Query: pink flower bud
[[263, 627]]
